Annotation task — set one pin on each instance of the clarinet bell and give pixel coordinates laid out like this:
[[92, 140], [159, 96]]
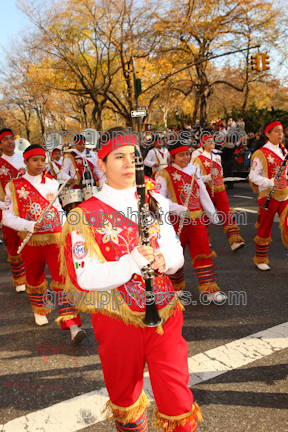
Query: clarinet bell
[[152, 318], [265, 205]]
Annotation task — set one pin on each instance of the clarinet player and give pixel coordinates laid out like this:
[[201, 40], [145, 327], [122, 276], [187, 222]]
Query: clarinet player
[[112, 262], [263, 176]]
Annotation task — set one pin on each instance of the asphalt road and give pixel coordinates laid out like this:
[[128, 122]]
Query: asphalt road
[[40, 368]]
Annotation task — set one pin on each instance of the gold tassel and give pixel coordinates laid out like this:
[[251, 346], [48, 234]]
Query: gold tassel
[[14, 259], [195, 214], [203, 256], [14, 199], [41, 239], [178, 286], [164, 173], [57, 285], [19, 281], [210, 287], [170, 423], [2, 193], [126, 415], [41, 311], [258, 260], [262, 241], [65, 318], [40, 289]]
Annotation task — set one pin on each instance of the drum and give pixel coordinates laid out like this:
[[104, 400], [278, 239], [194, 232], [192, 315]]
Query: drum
[[70, 198], [88, 192]]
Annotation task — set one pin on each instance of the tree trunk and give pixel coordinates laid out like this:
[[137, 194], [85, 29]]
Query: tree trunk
[[196, 107]]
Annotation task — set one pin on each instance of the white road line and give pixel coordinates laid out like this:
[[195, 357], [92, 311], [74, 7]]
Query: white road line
[[85, 410], [243, 196], [245, 210]]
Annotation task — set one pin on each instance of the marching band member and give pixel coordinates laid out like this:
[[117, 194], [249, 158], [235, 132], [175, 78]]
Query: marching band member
[[112, 263], [54, 166], [158, 157], [11, 166], [28, 197], [78, 161], [214, 182], [264, 167], [173, 183]]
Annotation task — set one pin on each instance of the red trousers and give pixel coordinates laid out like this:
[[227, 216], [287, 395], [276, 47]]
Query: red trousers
[[13, 241], [124, 350], [264, 227], [220, 201], [35, 258], [196, 237]]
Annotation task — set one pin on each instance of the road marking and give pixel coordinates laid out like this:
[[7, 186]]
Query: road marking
[[243, 196], [246, 210], [85, 410]]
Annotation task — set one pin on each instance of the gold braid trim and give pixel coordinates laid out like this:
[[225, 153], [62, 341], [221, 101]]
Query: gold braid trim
[[89, 301], [203, 256], [39, 289], [65, 318], [282, 226], [210, 287], [164, 173], [14, 259], [262, 240], [69, 156], [129, 414], [14, 199], [170, 423], [41, 239]]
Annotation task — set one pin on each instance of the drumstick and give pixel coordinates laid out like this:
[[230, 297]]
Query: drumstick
[[29, 235]]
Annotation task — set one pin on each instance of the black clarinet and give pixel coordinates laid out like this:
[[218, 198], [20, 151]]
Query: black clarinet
[[272, 189], [151, 318]]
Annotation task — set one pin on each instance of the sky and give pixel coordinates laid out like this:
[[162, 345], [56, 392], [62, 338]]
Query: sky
[[13, 21]]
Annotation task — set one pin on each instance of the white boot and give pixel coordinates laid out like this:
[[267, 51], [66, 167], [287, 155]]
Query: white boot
[[77, 334], [217, 296], [236, 246], [263, 266], [20, 288], [40, 319]]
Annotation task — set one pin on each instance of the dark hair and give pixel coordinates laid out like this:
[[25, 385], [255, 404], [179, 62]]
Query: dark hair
[[267, 124], [31, 147], [174, 146], [6, 130], [78, 138]]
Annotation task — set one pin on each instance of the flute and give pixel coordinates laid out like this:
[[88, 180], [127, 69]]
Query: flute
[[272, 189], [186, 204], [39, 220]]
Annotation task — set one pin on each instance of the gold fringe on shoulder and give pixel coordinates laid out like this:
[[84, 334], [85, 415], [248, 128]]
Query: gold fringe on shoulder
[[164, 173], [14, 199], [2, 193], [283, 226], [262, 241], [41, 239], [126, 415], [39, 289], [170, 423], [203, 256]]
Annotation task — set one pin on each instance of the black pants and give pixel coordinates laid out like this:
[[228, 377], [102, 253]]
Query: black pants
[[228, 170]]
